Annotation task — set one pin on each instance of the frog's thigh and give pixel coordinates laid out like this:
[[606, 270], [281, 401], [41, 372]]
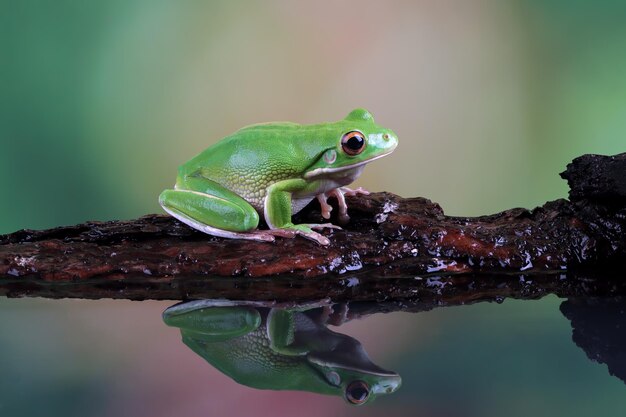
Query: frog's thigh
[[216, 210], [215, 324]]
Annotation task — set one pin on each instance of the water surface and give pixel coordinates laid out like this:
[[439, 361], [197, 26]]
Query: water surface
[[112, 358]]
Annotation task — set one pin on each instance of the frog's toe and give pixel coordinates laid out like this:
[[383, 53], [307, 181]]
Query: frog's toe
[[287, 233], [262, 237], [322, 240], [309, 234], [259, 236], [354, 192], [323, 226]]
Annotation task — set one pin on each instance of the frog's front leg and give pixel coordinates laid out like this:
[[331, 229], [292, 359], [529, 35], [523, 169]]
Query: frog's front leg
[[339, 194], [281, 332], [277, 209]]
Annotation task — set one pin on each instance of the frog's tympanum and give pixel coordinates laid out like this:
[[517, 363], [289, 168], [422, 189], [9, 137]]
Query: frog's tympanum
[[274, 170], [280, 349]]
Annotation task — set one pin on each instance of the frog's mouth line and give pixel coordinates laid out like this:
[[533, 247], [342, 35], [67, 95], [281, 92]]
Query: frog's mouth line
[[321, 171], [373, 368]]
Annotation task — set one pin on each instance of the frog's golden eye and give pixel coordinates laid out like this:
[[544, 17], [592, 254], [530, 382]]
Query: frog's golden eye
[[353, 143], [357, 392]]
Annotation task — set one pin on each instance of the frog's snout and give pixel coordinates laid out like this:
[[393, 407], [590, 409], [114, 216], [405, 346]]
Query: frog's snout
[[386, 141], [390, 141]]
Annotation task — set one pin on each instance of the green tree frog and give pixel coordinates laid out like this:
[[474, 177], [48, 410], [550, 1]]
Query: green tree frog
[[280, 349], [274, 170]]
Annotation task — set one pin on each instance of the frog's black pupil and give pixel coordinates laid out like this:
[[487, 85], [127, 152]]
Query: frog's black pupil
[[355, 143], [357, 392]]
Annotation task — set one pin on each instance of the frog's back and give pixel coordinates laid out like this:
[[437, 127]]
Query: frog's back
[[260, 146], [267, 141], [270, 126], [256, 156]]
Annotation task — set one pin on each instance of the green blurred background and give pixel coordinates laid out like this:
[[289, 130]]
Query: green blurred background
[[101, 101]]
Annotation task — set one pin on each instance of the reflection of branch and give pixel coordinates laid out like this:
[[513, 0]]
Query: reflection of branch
[[598, 329], [388, 237]]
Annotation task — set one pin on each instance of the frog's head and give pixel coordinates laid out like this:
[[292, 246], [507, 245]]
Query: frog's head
[[353, 374], [350, 144]]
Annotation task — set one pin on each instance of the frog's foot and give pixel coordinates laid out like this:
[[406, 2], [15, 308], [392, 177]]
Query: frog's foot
[[304, 230], [311, 235], [339, 194], [268, 235], [286, 233], [351, 193], [321, 226]]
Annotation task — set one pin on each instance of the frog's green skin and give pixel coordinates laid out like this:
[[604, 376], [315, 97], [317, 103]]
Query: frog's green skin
[[273, 169], [280, 349]]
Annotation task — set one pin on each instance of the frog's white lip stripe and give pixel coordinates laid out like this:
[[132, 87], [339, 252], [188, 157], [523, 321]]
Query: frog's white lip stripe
[[321, 171], [320, 362]]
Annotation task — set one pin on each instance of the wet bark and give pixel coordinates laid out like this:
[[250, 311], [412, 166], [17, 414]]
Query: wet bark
[[392, 248]]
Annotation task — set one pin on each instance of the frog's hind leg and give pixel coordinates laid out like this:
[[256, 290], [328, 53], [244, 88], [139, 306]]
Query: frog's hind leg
[[215, 210], [213, 231], [213, 324]]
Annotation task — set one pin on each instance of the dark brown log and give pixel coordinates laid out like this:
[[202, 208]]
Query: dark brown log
[[389, 241]]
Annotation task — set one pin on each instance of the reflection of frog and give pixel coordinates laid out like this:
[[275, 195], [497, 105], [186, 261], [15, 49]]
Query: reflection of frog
[[280, 349]]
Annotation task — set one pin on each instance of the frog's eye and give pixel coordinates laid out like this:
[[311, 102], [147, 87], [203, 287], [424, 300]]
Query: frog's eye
[[357, 392], [353, 143]]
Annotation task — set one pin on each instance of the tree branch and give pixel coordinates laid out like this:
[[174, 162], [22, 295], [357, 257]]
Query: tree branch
[[388, 239]]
